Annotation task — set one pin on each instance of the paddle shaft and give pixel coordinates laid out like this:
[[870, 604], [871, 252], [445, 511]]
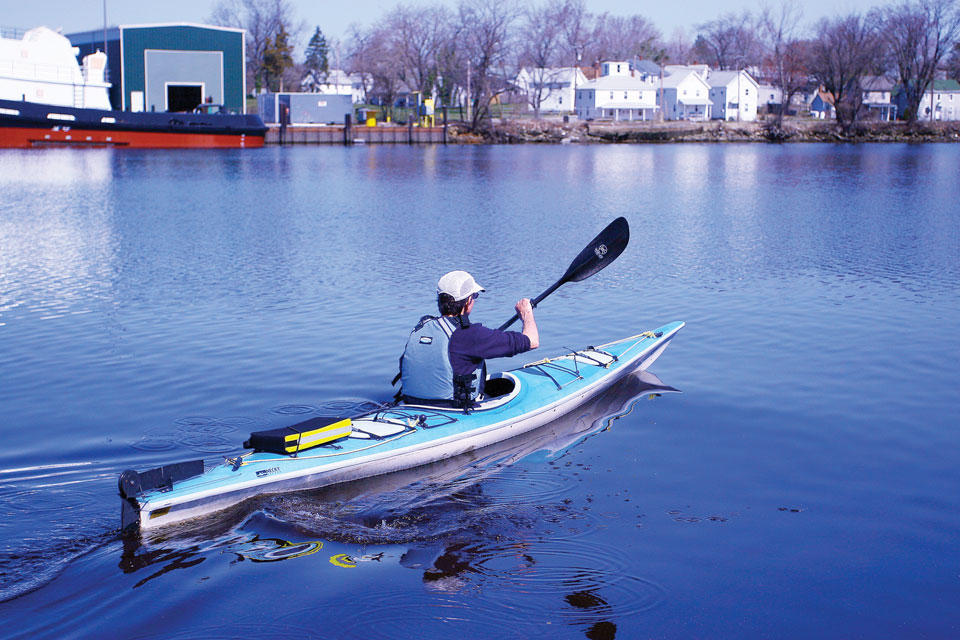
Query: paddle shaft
[[601, 251], [534, 302]]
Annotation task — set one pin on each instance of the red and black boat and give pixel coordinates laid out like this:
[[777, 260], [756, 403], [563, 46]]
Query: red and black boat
[[29, 124]]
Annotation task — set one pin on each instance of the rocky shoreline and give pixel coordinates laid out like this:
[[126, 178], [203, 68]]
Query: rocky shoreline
[[555, 132]]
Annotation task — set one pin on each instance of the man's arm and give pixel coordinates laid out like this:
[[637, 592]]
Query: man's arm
[[525, 309]]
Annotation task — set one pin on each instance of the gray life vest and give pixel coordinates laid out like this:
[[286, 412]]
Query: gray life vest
[[425, 369]]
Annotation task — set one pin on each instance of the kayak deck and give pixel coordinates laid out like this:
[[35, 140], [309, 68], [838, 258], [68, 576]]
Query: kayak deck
[[404, 436]]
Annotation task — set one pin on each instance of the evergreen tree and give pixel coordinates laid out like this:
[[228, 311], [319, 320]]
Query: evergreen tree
[[277, 58], [317, 63]]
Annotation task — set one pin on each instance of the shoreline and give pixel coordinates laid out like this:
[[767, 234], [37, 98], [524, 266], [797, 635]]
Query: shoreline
[[547, 132], [528, 131]]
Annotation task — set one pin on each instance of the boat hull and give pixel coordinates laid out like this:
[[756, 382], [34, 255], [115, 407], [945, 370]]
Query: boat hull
[[25, 125], [542, 392], [26, 138]]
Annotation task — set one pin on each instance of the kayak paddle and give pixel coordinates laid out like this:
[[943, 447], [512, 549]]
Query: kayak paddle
[[601, 251]]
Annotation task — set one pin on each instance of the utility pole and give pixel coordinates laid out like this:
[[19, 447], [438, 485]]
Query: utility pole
[[660, 110], [469, 96], [576, 70]]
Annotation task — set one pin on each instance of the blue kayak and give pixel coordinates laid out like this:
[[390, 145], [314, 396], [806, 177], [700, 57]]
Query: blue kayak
[[392, 438]]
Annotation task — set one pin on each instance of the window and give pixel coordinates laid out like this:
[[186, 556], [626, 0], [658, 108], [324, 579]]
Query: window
[[746, 92], [611, 95], [624, 95], [618, 68], [561, 100]]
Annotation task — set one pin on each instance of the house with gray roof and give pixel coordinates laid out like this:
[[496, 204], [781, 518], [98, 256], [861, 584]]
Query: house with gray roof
[[618, 93], [878, 97], [734, 95], [686, 94], [552, 89]]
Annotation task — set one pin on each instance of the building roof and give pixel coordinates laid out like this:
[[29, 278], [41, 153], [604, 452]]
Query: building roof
[[550, 74], [618, 83], [700, 69], [681, 75], [726, 78], [648, 67], [824, 96], [877, 83], [946, 85]]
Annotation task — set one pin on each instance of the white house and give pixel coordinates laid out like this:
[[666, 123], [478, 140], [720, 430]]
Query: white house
[[686, 94], [553, 87], [338, 82], [878, 97], [945, 96], [734, 95], [618, 93]]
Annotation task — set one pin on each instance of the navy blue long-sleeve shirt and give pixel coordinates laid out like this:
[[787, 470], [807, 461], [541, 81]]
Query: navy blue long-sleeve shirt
[[474, 343]]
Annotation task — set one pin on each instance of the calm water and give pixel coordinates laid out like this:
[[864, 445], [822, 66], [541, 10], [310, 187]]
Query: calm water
[[156, 307]]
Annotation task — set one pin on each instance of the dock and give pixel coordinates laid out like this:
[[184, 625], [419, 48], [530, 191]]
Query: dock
[[347, 135]]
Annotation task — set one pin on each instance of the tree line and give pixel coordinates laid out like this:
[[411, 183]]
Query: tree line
[[473, 50]]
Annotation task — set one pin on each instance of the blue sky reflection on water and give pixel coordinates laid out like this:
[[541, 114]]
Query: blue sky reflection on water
[[158, 306]]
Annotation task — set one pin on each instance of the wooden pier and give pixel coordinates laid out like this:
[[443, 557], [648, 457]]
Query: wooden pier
[[347, 135]]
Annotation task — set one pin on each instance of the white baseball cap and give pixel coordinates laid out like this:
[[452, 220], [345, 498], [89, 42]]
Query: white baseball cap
[[459, 285]]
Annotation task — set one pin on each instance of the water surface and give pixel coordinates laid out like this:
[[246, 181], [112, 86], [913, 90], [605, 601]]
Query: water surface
[[156, 307]]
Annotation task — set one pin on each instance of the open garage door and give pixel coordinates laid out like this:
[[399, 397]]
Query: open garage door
[[184, 97]]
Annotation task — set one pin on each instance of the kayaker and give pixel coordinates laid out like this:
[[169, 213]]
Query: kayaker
[[443, 361]]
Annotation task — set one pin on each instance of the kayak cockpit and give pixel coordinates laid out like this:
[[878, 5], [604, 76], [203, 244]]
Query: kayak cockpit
[[499, 389]]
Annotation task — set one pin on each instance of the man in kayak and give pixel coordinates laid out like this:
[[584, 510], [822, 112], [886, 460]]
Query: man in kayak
[[443, 361]]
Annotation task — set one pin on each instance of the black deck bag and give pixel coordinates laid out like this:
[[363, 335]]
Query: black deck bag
[[301, 436]]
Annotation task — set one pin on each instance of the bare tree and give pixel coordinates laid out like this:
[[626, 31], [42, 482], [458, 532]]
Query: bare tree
[[785, 57], [370, 53], [729, 42], [485, 27], [953, 63], [577, 26], [678, 49], [843, 51], [451, 64], [624, 37], [919, 34], [263, 20], [418, 35], [541, 40]]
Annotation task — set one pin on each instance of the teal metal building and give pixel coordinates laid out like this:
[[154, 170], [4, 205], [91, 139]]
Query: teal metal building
[[170, 67]]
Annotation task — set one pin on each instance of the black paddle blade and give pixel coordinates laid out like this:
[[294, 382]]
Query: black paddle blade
[[602, 250]]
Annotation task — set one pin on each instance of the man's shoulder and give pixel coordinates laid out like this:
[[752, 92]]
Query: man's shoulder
[[474, 331]]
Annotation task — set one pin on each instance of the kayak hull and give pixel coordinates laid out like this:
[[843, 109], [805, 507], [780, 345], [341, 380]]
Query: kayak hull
[[407, 436]]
